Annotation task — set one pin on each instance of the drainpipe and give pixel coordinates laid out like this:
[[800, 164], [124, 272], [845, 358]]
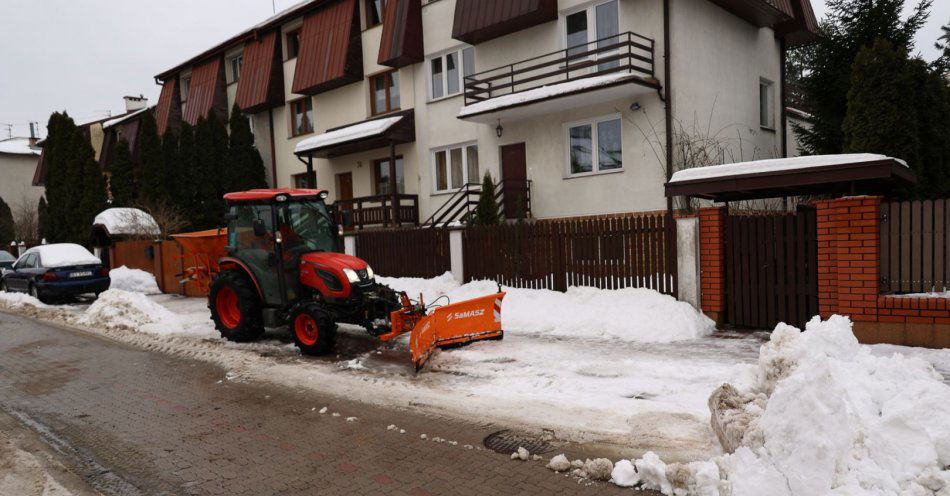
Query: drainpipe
[[783, 58], [273, 151], [668, 93]]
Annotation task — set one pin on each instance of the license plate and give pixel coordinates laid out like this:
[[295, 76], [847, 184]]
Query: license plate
[[85, 273]]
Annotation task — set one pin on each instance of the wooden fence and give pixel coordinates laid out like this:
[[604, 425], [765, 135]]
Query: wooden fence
[[915, 246], [608, 253], [405, 252]]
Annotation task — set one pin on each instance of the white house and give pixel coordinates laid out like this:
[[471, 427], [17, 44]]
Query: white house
[[572, 102], [18, 159]]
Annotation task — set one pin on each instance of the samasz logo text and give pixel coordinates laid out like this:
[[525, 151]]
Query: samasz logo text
[[466, 315]]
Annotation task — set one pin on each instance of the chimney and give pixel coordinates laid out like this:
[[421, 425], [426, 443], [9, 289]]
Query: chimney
[[33, 137], [133, 103]]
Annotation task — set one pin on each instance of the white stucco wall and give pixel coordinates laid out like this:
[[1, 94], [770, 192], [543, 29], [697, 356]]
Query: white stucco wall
[[17, 183]]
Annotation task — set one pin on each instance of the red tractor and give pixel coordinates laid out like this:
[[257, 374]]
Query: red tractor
[[284, 266]]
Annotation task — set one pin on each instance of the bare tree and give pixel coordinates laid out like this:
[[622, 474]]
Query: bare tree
[[167, 216], [699, 144], [26, 220]]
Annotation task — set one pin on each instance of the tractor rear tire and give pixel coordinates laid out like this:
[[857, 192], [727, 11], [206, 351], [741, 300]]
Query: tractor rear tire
[[313, 329], [236, 307]]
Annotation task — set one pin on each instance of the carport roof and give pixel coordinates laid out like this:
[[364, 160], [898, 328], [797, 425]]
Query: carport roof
[[824, 174]]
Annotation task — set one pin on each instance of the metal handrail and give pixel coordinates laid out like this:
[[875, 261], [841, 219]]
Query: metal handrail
[[626, 49]]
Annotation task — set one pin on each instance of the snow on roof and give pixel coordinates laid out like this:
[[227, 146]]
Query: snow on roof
[[361, 130], [122, 118], [18, 146], [62, 255], [542, 93], [127, 221], [780, 164]]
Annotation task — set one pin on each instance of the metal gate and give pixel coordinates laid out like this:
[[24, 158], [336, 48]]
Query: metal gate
[[771, 269]]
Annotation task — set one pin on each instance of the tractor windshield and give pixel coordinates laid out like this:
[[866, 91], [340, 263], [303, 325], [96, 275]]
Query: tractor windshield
[[306, 226]]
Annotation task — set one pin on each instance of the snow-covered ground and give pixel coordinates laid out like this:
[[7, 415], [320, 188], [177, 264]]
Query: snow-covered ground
[[630, 371]]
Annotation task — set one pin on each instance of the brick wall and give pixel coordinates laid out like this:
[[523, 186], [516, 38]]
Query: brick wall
[[848, 276], [712, 267], [848, 257]]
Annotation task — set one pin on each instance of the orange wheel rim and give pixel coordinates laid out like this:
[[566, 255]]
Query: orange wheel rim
[[306, 329], [228, 311]]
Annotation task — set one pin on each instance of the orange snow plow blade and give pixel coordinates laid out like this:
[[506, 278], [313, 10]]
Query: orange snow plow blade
[[455, 325]]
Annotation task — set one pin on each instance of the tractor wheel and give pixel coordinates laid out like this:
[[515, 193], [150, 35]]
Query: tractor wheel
[[313, 329], [235, 307]]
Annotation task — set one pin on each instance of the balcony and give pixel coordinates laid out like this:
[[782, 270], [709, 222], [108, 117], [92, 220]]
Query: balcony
[[377, 211], [593, 72]]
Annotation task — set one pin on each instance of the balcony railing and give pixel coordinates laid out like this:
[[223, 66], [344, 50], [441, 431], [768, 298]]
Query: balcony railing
[[622, 53], [377, 211]]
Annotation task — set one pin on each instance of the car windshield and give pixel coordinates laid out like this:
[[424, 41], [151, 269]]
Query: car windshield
[[6, 257], [306, 226]]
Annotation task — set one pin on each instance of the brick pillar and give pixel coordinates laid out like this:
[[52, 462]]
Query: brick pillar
[[848, 257], [712, 256]]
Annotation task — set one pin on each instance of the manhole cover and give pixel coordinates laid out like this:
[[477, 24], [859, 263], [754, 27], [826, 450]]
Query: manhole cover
[[507, 442]]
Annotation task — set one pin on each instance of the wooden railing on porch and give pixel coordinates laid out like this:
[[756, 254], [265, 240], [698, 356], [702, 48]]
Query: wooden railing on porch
[[461, 205], [377, 211]]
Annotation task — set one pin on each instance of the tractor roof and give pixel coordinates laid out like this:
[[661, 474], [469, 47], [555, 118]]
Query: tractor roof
[[270, 194]]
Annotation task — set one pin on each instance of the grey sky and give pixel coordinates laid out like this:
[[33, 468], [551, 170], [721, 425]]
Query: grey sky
[[83, 56]]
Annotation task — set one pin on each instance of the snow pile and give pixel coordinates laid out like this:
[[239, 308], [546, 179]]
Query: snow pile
[[629, 315], [118, 309], [63, 255], [16, 301], [836, 420], [133, 280]]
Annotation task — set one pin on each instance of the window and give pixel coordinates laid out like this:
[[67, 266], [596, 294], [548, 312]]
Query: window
[[185, 86], [374, 12], [766, 108], [602, 136], [455, 166], [381, 176], [293, 43], [603, 20], [385, 92], [447, 72], [234, 68], [302, 114], [299, 181]]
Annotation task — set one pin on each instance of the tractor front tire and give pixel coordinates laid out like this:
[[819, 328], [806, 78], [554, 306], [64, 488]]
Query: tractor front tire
[[236, 307], [313, 329]]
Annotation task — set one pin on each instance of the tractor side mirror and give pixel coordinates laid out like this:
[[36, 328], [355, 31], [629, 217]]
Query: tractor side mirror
[[259, 229], [347, 217]]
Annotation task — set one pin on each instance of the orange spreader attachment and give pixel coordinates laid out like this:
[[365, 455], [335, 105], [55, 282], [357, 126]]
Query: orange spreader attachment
[[455, 325]]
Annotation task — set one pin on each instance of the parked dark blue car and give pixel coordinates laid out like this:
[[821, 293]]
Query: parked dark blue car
[[6, 261], [50, 271]]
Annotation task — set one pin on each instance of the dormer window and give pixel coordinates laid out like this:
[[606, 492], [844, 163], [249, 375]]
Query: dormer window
[[293, 43]]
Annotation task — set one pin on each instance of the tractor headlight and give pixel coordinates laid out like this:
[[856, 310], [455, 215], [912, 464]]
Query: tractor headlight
[[369, 272], [351, 275]]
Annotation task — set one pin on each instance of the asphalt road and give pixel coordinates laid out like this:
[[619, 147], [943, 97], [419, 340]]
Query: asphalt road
[[127, 421]]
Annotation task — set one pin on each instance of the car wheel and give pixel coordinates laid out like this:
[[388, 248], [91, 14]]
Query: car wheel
[[35, 292], [3, 287]]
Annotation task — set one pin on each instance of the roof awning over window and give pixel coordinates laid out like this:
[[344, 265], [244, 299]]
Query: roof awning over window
[[801, 30], [261, 82], [862, 173], [401, 42], [206, 91], [361, 136], [762, 13], [331, 53], [168, 110], [482, 20]]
